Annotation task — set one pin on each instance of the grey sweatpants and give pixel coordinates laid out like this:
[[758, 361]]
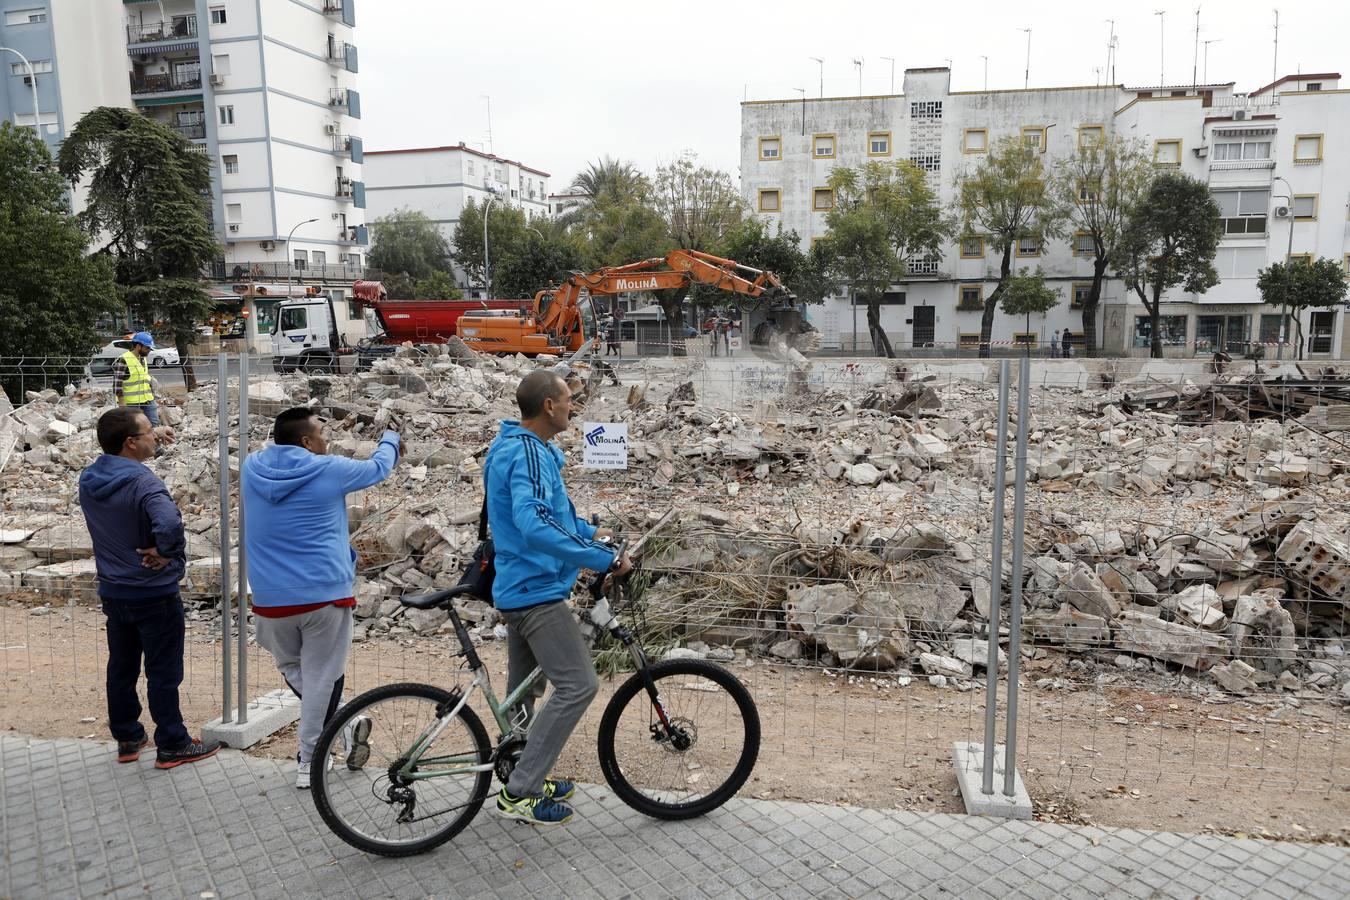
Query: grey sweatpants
[[547, 636], [310, 649]]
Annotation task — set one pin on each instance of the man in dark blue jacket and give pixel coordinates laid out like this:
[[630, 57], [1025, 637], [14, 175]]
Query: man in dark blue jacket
[[140, 554]]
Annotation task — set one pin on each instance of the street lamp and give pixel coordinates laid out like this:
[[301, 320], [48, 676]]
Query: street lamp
[[487, 264], [1288, 254], [290, 259], [32, 83], [821, 63]]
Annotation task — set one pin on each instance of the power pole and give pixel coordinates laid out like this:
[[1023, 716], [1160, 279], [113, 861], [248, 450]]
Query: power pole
[[858, 61], [489, 118], [1275, 65], [986, 72], [1207, 43], [891, 60], [1110, 49], [1195, 62], [1026, 74], [820, 62], [1162, 46]]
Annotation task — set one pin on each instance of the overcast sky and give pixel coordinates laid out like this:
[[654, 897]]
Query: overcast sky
[[571, 82]]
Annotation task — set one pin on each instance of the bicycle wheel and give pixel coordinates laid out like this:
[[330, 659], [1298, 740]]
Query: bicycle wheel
[[372, 807], [700, 764]]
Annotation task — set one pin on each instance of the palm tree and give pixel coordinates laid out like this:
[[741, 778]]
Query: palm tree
[[602, 181]]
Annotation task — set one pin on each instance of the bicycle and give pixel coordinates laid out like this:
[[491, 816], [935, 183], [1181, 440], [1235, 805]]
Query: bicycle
[[676, 740]]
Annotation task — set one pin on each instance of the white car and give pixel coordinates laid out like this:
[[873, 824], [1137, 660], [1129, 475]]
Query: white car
[[102, 363]]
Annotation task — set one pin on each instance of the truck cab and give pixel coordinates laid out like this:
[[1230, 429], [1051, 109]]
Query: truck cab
[[305, 335]]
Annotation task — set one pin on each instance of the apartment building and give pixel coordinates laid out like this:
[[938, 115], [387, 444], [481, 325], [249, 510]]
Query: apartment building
[[440, 181], [1269, 155]]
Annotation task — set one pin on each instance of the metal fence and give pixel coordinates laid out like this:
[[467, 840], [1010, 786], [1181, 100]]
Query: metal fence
[[1178, 574]]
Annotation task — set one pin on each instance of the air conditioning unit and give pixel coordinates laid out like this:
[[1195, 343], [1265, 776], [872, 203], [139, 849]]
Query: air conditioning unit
[[1202, 151], [1239, 115], [28, 81], [234, 226], [266, 245], [330, 128], [217, 79], [1281, 212]]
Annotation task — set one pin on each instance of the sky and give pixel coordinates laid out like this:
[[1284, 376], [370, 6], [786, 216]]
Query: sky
[[572, 82]]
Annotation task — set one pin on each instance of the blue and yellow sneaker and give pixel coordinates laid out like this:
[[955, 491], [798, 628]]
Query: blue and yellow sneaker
[[559, 790], [532, 810]]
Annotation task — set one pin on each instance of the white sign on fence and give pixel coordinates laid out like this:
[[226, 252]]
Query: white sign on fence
[[734, 343], [606, 445]]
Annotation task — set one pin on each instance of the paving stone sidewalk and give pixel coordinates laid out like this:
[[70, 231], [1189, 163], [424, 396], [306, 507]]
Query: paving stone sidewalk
[[74, 823]]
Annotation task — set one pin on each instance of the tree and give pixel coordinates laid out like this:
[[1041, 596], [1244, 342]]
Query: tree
[[604, 180], [1302, 284], [506, 228], [1169, 240], [1006, 198], [1027, 293], [437, 286], [884, 215], [148, 202], [542, 258], [1095, 189], [750, 243], [407, 241], [699, 204], [51, 293]]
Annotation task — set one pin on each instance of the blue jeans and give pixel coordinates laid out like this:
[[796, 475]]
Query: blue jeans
[[150, 409], [154, 629]]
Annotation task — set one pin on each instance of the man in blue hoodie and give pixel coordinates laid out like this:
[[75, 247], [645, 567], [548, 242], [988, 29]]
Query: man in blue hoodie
[[541, 544], [302, 568], [139, 554]]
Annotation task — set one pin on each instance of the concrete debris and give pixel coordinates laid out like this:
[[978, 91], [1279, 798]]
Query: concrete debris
[[1199, 605], [1235, 677], [1139, 632]]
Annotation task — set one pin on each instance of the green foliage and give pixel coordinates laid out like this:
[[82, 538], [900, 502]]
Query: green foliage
[[750, 243], [1169, 240], [148, 198], [505, 228], [1026, 293], [699, 204], [1301, 284], [400, 286], [437, 286], [409, 242], [541, 259], [51, 293]]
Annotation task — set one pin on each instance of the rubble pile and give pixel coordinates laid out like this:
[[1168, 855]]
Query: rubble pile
[[845, 529]]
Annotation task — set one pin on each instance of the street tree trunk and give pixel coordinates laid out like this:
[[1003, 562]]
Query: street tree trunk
[[184, 347], [672, 305], [881, 344], [1155, 321], [991, 302], [1091, 305]]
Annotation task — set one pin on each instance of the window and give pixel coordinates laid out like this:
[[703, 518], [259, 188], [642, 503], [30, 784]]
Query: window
[[1300, 258], [971, 297], [1308, 148], [924, 265], [879, 143], [1172, 330], [1079, 292], [1305, 207], [1024, 338], [227, 115], [354, 259], [968, 340], [319, 257], [822, 198], [293, 318], [975, 140], [1088, 192], [231, 162], [770, 148], [1090, 134], [1167, 153], [822, 146], [1243, 212], [1035, 136], [1270, 329], [1313, 86], [300, 258], [925, 109], [234, 212], [217, 15], [1084, 245], [499, 174], [468, 166], [1228, 148], [39, 67], [770, 200], [927, 162], [220, 63], [972, 247], [1028, 247], [35, 16]]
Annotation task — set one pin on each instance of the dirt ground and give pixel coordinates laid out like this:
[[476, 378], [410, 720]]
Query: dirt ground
[[1128, 756]]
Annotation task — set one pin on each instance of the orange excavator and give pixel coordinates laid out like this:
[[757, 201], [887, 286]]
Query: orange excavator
[[563, 319]]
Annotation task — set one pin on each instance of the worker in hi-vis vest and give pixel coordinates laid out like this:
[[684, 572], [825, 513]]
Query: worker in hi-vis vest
[[131, 378]]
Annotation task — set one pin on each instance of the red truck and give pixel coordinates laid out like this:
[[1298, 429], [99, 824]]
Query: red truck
[[420, 321]]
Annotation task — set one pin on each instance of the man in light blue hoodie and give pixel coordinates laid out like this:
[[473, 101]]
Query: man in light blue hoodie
[[302, 568]]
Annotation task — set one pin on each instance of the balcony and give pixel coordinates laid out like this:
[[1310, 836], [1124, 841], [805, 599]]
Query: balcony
[[193, 132], [271, 271], [354, 234], [179, 28], [343, 55], [343, 190], [337, 97], [164, 84]]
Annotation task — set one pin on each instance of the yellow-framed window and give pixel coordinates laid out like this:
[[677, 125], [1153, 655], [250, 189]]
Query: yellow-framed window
[[878, 143], [1035, 136], [975, 140], [1026, 338], [1078, 294], [1089, 192], [970, 296], [1308, 148], [822, 199], [1091, 134], [968, 339], [771, 148], [770, 200], [1305, 207], [1167, 152], [1083, 244], [823, 146], [1028, 247], [972, 247], [1300, 257]]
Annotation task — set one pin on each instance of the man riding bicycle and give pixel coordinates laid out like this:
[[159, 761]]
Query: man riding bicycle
[[541, 545]]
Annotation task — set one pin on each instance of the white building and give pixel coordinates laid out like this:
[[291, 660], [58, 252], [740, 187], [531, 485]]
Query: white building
[[440, 181], [1268, 156]]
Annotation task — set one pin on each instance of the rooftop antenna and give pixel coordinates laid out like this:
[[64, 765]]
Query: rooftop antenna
[[1207, 43], [891, 60], [1162, 46], [1110, 47], [1026, 75], [1196, 59], [489, 117], [858, 61], [1275, 65], [986, 71], [820, 62]]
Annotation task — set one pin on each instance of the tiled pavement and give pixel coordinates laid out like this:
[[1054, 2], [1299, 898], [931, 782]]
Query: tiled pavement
[[76, 824]]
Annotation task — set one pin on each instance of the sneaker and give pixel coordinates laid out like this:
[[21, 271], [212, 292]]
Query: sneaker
[[355, 735], [190, 753], [130, 751], [302, 772], [559, 790], [533, 810]]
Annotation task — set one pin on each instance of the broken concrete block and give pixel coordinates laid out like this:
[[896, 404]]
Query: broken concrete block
[[819, 610], [1083, 590], [916, 542], [1235, 677], [1317, 557], [58, 543], [1199, 605], [425, 621], [1075, 630], [974, 652], [788, 650], [58, 431], [1146, 635], [1263, 633], [864, 474], [931, 602], [934, 664]]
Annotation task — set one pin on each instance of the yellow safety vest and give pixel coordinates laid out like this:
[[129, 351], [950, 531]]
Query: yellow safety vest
[[136, 388]]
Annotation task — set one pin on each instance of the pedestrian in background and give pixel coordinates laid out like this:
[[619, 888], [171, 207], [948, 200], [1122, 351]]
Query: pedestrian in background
[[140, 553], [1064, 341], [302, 567], [131, 378], [1054, 343]]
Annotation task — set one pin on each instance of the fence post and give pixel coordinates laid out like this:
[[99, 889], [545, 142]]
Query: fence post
[[223, 441], [1015, 596], [995, 578], [242, 666]]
